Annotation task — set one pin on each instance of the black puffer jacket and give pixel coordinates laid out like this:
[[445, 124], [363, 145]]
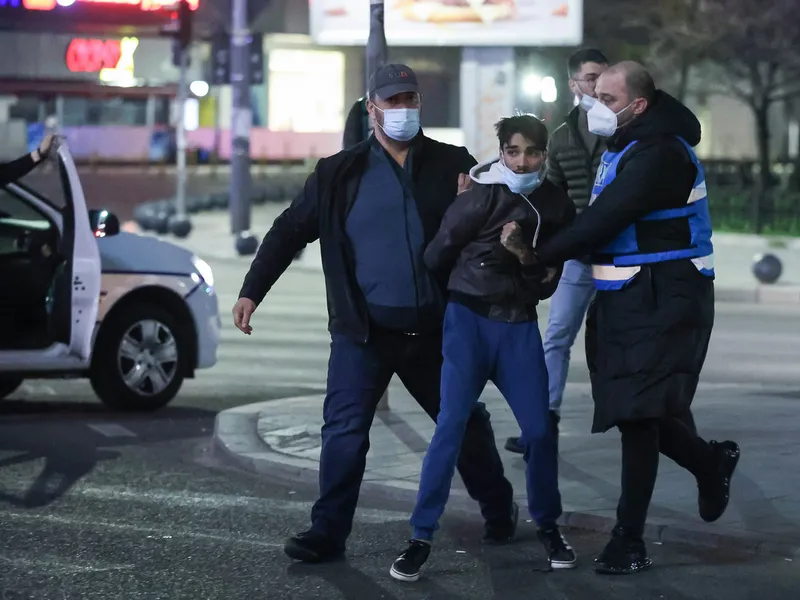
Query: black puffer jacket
[[570, 164], [645, 343]]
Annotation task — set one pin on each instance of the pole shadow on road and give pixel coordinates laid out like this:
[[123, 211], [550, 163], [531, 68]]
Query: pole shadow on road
[[62, 434]]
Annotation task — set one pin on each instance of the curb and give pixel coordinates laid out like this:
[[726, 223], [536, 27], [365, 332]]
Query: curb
[[765, 294], [236, 441]]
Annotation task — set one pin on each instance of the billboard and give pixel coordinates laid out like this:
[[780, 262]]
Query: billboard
[[451, 22]]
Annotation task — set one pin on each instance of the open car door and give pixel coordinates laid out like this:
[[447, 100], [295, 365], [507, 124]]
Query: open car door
[[76, 289]]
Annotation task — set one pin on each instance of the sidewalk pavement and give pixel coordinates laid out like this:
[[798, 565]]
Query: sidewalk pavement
[[281, 439], [734, 253]]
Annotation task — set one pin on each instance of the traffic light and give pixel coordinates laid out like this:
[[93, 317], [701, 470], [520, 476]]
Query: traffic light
[[184, 24], [180, 30]]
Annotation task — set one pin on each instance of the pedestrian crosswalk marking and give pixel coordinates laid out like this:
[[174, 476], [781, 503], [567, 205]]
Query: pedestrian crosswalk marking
[[111, 430]]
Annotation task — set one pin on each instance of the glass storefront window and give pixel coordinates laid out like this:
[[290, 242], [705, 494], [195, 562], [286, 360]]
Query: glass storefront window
[[31, 109], [104, 111], [162, 111]]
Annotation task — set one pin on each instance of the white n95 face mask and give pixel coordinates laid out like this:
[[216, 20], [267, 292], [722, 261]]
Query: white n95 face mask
[[602, 120], [587, 102]]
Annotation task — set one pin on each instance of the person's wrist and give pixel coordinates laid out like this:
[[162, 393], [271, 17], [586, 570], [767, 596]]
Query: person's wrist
[[36, 156], [527, 257]]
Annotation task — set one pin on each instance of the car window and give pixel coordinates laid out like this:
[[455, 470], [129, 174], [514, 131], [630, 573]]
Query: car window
[[45, 180], [20, 224], [12, 207]]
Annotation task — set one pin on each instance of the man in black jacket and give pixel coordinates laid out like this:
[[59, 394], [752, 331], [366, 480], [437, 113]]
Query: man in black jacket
[[573, 155], [374, 208], [491, 332], [16, 169], [648, 329]]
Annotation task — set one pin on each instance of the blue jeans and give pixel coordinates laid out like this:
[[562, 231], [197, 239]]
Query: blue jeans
[[477, 350], [567, 309]]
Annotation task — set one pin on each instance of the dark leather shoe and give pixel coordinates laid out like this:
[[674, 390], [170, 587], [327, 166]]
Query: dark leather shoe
[[502, 533], [513, 445], [312, 547]]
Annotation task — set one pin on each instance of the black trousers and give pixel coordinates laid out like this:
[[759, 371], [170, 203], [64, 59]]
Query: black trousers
[[642, 442]]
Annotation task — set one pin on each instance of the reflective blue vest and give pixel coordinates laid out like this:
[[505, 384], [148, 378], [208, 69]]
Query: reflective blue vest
[[622, 258]]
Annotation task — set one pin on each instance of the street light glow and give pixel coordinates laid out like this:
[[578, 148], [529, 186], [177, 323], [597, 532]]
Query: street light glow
[[199, 88], [532, 85], [549, 91]]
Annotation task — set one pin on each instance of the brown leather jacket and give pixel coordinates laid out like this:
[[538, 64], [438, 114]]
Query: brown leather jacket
[[468, 242]]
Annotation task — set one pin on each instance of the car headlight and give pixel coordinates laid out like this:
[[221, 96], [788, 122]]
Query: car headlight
[[204, 270]]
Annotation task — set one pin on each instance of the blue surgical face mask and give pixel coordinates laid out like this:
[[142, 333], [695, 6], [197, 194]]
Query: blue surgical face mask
[[400, 124], [521, 183]]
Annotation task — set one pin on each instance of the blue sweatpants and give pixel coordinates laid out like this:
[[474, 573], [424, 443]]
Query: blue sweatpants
[[478, 350]]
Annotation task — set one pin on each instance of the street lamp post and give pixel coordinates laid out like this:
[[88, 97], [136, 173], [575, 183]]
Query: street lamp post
[[377, 53], [241, 122], [179, 224]]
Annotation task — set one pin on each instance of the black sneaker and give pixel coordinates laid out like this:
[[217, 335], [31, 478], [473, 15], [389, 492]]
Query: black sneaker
[[312, 547], [502, 533], [715, 493], [408, 565], [559, 552], [622, 556]]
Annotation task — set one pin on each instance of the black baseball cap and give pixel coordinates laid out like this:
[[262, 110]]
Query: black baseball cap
[[390, 80]]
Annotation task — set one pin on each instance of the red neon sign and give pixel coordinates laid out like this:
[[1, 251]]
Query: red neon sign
[[91, 56], [145, 5]]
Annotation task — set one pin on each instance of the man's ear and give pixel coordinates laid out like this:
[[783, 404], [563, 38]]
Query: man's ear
[[640, 106], [573, 87]]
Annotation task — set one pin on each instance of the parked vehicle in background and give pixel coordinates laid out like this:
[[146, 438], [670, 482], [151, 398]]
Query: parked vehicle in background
[[134, 314]]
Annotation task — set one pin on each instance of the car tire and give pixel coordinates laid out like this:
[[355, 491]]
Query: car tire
[[9, 385], [132, 365]]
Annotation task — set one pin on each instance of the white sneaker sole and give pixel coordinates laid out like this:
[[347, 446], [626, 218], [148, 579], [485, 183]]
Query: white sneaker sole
[[564, 565], [400, 577]]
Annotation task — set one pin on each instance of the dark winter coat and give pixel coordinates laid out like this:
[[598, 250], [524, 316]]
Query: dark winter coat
[[468, 247], [571, 165], [11, 171], [320, 212], [646, 343]]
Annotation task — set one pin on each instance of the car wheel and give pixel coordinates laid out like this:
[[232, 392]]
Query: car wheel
[[139, 359], [9, 385]]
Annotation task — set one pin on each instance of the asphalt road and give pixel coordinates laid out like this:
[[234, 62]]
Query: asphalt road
[[156, 520], [96, 505]]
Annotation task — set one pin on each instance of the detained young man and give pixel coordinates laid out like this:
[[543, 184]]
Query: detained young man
[[491, 332]]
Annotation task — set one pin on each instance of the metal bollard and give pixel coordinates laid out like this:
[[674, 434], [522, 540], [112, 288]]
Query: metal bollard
[[383, 403]]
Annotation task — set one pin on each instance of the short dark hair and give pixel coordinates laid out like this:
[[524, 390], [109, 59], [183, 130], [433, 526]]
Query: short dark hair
[[640, 84], [582, 56], [528, 126]]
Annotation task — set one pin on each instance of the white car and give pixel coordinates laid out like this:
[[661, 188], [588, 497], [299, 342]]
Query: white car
[[134, 314]]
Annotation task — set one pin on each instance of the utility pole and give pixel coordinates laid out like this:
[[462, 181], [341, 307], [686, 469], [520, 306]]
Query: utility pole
[[241, 122], [179, 223], [377, 51], [377, 54]]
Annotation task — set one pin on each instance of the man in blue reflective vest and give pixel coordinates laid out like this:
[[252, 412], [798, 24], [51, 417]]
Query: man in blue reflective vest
[[649, 232]]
